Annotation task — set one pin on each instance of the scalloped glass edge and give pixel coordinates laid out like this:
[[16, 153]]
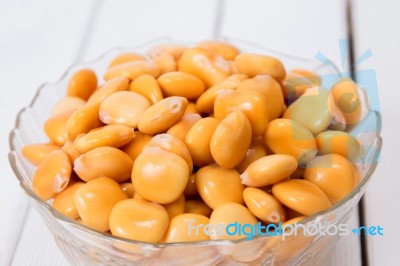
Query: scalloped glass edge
[[373, 119]]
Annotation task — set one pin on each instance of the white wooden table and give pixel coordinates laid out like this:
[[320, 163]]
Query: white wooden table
[[39, 39]]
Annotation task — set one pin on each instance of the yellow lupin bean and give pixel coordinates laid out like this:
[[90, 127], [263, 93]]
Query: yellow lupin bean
[[52, 175], [176, 50], [198, 140], [160, 176], [139, 220], [209, 67], [271, 90], [269, 170], [104, 161], [191, 108], [313, 110], [289, 137], [295, 85], [82, 84], [132, 70], [111, 135], [333, 174], [126, 58], [147, 86], [197, 207], [171, 144], [255, 64], [302, 196], [135, 147], [35, 153], [205, 103], [108, 88], [347, 99], [165, 61], [231, 140], [226, 50], [182, 228], [217, 185], [183, 126], [124, 108], [162, 115], [256, 150], [314, 78], [128, 189], [339, 142], [252, 103], [83, 120], [230, 213], [66, 104], [264, 206], [191, 188], [70, 149], [56, 127], [181, 84], [175, 208], [95, 200], [233, 67], [65, 201]]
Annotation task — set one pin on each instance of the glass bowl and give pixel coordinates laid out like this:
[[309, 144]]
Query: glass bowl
[[84, 246]]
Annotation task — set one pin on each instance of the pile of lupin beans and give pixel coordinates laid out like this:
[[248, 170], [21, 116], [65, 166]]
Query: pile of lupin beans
[[196, 135]]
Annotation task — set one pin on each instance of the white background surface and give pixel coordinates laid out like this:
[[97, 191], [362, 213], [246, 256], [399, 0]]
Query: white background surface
[[39, 39]]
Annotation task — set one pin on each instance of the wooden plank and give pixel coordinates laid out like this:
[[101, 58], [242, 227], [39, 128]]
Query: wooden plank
[[300, 28], [376, 27], [38, 41]]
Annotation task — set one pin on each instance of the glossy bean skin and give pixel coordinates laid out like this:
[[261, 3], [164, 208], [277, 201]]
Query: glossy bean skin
[[209, 67], [224, 49], [181, 84], [160, 176], [164, 61], [70, 149], [198, 140], [104, 161], [66, 104], [95, 200], [271, 90], [289, 137], [128, 189], [205, 103], [111, 135], [333, 174], [126, 58], [35, 153], [339, 142], [231, 140], [176, 50], [52, 175], [147, 86], [175, 208], [183, 126], [82, 84], [269, 170], [302, 196], [123, 108], [230, 213], [252, 103], [65, 201], [139, 220], [162, 115], [254, 64], [191, 188], [135, 147], [347, 99], [171, 144], [83, 120], [256, 150], [197, 206], [317, 104], [264, 206], [217, 185], [108, 88], [56, 127], [132, 70], [182, 228], [313, 77]]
